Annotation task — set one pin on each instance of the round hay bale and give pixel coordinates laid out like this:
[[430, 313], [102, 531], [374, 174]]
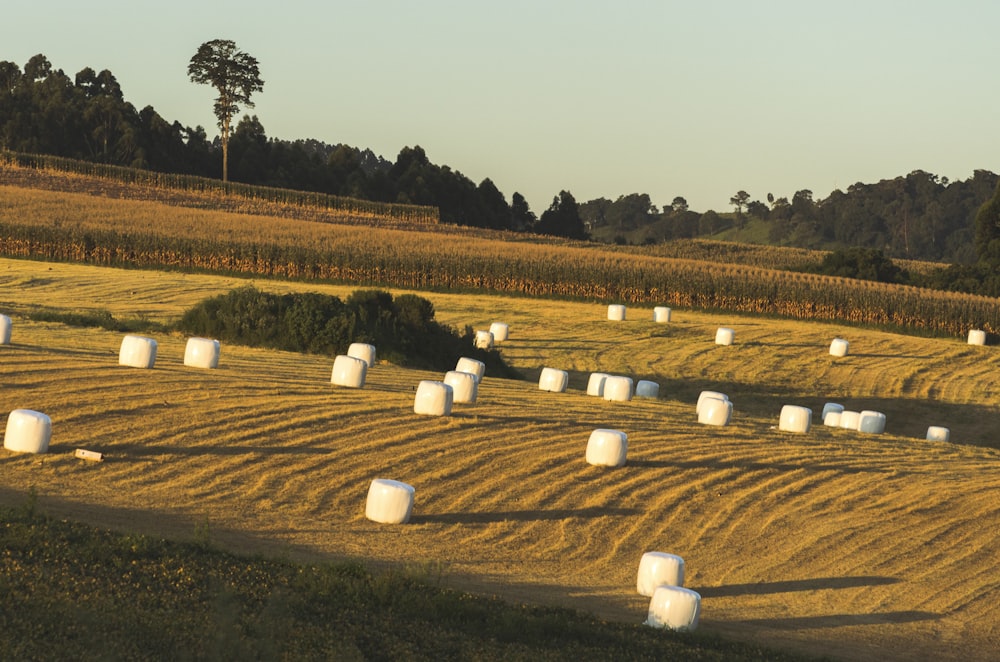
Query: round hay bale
[[137, 352], [5, 327], [705, 395], [674, 608], [607, 448], [715, 411], [28, 431], [595, 385], [795, 419], [935, 433], [616, 312], [500, 331], [832, 419], [839, 347], [389, 501], [647, 389], [363, 351], [433, 398], [977, 337], [831, 406], [871, 422], [349, 371], [202, 353], [849, 419], [484, 340], [464, 386], [725, 336], [553, 380], [476, 367], [659, 569], [661, 314], [618, 388]]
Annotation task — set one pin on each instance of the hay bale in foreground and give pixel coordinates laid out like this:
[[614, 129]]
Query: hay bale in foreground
[[464, 386], [202, 353], [433, 398], [28, 431], [839, 347], [607, 448], [349, 371], [674, 608], [137, 352], [725, 336], [389, 501]]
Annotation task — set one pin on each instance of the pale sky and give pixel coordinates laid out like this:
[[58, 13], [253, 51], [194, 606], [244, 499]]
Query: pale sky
[[670, 98]]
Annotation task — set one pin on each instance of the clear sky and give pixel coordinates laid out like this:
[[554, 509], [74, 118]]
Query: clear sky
[[665, 97]]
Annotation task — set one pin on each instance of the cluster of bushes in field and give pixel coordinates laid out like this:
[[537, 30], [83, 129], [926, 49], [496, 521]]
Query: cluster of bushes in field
[[403, 329]]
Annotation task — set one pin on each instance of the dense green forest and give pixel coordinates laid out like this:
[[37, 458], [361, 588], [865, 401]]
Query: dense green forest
[[917, 216]]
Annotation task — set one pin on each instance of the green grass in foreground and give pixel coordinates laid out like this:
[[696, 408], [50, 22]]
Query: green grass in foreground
[[74, 592]]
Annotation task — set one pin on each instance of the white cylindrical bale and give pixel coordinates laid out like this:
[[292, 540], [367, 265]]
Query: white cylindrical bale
[[349, 371], [137, 352], [715, 411], [831, 406], [464, 386], [433, 398], [484, 340], [616, 312], [704, 395], [647, 389], [202, 353], [661, 314], [552, 379], [618, 388], [595, 385], [839, 347], [832, 419], [977, 337], [28, 431], [675, 608], [659, 569], [849, 419], [795, 419], [363, 351], [476, 367], [724, 336], [389, 501], [871, 422], [500, 331], [5, 328], [607, 448], [935, 433]]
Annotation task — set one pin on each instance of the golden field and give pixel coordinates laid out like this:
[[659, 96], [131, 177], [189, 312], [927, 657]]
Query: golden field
[[859, 547]]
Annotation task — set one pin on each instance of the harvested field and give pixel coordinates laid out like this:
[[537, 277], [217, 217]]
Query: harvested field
[[833, 543]]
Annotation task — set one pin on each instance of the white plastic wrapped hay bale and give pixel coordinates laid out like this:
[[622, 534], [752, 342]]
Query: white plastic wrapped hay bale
[[715, 411], [595, 384], [500, 331], [618, 388], [871, 422], [607, 448], [661, 314], [202, 353], [831, 406], [795, 419], [363, 351], [476, 367], [137, 352], [674, 608], [28, 431], [553, 380], [849, 419], [647, 389], [5, 328], [433, 398], [977, 337], [725, 336], [832, 419], [616, 312], [839, 347], [659, 569], [936, 433], [484, 340], [349, 371], [464, 386], [705, 395], [389, 501]]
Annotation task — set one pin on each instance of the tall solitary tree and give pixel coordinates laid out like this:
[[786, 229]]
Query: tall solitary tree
[[235, 75]]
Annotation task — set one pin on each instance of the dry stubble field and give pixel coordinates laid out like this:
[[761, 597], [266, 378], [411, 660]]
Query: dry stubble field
[[830, 543]]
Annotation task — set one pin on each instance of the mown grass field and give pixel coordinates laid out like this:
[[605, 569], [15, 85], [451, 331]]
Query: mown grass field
[[830, 543]]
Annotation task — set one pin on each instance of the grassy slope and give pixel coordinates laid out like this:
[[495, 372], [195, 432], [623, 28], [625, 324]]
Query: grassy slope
[[828, 543]]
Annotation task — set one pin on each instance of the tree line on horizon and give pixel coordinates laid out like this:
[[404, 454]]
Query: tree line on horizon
[[43, 110]]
